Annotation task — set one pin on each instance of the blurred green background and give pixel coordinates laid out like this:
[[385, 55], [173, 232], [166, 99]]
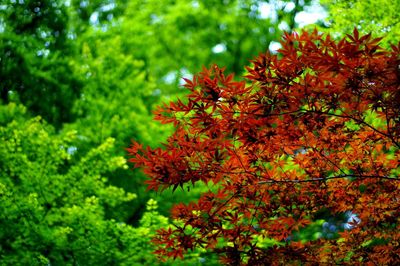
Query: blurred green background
[[79, 80]]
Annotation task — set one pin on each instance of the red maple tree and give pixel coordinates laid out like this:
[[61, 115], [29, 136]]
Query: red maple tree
[[314, 129]]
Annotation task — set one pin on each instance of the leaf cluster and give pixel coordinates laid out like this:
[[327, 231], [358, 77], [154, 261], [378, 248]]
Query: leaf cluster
[[59, 209], [293, 140]]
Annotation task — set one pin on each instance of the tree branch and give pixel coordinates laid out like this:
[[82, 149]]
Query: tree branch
[[328, 178]]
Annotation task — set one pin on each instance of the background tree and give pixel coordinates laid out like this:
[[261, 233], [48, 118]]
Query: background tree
[[53, 210], [368, 16], [178, 36], [58, 209], [36, 55], [309, 132]]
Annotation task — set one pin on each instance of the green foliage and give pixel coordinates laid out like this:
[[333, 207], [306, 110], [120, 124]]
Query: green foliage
[[60, 210], [36, 58], [114, 95], [175, 38], [378, 17], [65, 203], [106, 12], [116, 102]]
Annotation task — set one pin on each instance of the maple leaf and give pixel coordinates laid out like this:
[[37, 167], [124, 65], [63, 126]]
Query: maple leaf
[[293, 139]]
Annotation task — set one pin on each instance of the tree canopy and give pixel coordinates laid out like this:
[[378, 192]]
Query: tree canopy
[[309, 133], [381, 18], [35, 58]]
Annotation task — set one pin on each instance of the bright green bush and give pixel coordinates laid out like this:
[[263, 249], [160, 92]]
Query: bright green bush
[[53, 210], [58, 209]]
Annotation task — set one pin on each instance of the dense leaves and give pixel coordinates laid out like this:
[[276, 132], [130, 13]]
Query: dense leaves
[[378, 17], [35, 58], [311, 132], [53, 210], [175, 38], [60, 210]]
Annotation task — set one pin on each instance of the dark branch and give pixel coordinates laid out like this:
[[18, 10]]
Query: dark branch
[[327, 178]]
